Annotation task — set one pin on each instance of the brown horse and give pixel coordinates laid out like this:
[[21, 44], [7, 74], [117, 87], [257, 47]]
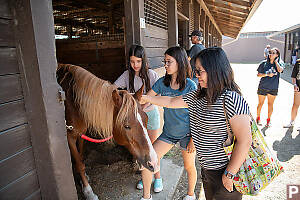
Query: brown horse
[[97, 104]]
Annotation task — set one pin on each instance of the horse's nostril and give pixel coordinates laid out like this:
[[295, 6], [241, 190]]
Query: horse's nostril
[[150, 166]]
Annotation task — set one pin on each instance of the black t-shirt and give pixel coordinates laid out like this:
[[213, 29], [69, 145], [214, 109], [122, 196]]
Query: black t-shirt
[[295, 73], [195, 50], [268, 83], [294, 52]]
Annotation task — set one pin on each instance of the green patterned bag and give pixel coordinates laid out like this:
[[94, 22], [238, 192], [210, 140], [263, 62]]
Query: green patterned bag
[[260, 166]]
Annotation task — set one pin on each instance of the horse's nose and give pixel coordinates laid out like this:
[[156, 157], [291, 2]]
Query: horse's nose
[[150, 166]]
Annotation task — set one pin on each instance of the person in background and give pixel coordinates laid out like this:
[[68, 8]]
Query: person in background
[[269, 71], [296, 83], [196, 38], [295, 54], [176, 121], [266, 51], [132, 79], [208, 122]]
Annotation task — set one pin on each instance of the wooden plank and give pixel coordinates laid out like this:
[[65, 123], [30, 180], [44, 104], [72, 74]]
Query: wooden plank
[[5, 12], [227, 18], [10, 87], [8, 61], [25, 162], [14, 140], [75, 45], [225, 6], [155, 42], [182, 16], [218, 13], [229, 12], [12, 114], [238, 2], [155, 52], [22, 188], [155, 32], [156, 62], [6, 37], [172, 23]]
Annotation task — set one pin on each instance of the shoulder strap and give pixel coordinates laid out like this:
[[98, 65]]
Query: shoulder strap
[[230, 134]]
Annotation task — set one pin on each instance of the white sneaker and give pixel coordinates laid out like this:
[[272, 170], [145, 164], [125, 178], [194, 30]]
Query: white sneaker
[[147, 199], [291, 124], [188, 197]]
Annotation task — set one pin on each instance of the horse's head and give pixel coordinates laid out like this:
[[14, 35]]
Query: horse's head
[[129, 130]]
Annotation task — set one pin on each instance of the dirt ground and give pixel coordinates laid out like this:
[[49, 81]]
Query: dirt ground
[[111, 169]]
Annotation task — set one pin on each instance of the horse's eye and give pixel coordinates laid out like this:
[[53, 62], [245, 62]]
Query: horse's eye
[[127, 127]]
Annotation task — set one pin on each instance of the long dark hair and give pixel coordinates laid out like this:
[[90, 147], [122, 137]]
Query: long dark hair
[[184, 67], [219, 74], [139, 52], [277, 52]]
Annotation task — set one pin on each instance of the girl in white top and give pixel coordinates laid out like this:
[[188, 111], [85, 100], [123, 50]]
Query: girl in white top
[[132, 79]]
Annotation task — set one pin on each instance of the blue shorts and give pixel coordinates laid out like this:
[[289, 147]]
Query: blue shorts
[[184, 141], [153, 119]]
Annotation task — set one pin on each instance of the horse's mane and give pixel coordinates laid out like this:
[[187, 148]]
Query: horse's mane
[[93, 96]]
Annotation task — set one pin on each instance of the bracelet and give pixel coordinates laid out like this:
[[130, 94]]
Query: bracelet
[[228, 174]]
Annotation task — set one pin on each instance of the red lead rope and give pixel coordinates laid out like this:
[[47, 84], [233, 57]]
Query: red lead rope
[[95, 140]]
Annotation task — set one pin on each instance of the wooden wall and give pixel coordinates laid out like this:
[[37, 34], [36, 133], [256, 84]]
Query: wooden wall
[[105, 59], [155, 43], [17, 166]]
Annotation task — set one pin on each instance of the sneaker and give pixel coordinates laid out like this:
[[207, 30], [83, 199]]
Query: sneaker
[[188, 197], [291, 124], [139, 185], [268, 123], [258, 122], [147, 199], [158, 185]]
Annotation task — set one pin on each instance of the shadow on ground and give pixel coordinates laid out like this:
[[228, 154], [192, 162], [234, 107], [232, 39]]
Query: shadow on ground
[[288, 146]]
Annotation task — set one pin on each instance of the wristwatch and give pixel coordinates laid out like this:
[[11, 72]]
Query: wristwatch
[[229, 174]]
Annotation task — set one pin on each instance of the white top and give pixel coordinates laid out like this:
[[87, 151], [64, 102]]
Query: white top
[[123, 82]]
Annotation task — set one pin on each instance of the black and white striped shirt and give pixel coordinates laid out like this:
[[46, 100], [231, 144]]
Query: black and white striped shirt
[[208, 125]]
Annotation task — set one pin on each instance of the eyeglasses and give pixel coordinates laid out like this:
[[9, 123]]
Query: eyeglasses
[[168, 62], [198, 72]]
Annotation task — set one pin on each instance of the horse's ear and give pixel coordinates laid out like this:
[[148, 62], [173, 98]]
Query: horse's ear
[[117, 98], [139, 93]]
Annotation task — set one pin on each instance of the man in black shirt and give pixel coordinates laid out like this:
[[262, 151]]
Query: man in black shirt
[[196, 38]]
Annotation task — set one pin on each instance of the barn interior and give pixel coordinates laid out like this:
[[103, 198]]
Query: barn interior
[[91, 34]]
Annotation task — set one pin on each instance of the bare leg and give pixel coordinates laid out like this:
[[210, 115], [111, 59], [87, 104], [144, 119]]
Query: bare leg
[[161, 148], [153, 135], [295, 106], [271, 99], [189, 166], [261, 100]]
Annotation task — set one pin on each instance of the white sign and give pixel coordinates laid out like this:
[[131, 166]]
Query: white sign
[[142, 23]]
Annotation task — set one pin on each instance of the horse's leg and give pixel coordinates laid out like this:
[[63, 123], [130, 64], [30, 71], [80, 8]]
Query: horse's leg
[[81, 146], [80, 168]]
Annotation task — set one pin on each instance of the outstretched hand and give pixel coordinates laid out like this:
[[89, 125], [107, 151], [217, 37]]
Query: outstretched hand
[[143, 99]]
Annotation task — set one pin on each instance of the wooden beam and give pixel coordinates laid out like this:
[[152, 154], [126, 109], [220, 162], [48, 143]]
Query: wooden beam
[[218, 15], [208, 13], [172, 23], [211, 3], [196, 15], [228, 19], [238, 2], [182, 16], [229, 24], [230, 14]]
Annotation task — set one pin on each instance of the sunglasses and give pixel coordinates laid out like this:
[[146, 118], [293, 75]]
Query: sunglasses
[[272, 53]]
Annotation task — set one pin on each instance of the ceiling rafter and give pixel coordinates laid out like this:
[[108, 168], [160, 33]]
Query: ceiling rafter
[[225, 6]]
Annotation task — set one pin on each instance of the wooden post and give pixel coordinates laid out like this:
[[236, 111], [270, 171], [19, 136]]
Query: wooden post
[[37, 62], [197, 15], [172, 23], [206, 30], [187, 23], [134, 10]]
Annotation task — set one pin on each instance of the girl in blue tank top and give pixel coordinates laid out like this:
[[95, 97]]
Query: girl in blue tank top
[[176, 128]]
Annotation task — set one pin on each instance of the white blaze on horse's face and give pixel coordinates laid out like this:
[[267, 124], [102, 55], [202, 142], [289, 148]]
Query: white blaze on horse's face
[[153, 155]]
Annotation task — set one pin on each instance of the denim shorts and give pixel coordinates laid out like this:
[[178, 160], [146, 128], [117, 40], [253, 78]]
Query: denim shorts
[[264, 92], [153, 119], [184, 141]]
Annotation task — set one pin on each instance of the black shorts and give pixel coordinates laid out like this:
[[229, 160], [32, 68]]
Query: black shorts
[[264, 92]]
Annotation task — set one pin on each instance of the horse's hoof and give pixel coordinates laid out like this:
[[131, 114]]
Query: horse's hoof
[[88, 193]]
